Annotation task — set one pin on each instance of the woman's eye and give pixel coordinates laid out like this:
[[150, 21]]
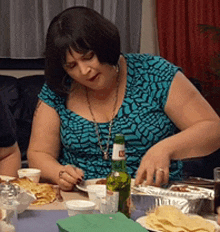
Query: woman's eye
[[89, 56], [70, 66]]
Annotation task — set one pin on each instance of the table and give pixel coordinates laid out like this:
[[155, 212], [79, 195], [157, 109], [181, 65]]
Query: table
[[40, 220], [43, 218]]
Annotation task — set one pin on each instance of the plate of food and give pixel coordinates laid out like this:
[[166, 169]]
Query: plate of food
[[43, 192], [169, 218], [100, 181], [83, 185]]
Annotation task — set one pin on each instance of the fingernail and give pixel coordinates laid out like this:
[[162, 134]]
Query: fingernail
[[78, 181]]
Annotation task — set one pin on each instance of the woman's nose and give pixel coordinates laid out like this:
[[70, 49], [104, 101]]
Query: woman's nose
[[84, 68]]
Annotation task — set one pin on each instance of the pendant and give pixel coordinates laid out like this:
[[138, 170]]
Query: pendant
[[105, 156]]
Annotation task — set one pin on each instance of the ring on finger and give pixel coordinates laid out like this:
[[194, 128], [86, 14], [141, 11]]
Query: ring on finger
[[61, 173], [160, 169]]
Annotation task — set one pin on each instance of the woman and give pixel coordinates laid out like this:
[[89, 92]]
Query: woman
[[10, 157], [94, 92]]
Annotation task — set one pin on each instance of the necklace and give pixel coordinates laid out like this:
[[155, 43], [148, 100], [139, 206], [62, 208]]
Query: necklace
[[104, 151]]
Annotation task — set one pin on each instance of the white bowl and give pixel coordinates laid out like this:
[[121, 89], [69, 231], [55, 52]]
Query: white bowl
[[32, 173], [75, 207]]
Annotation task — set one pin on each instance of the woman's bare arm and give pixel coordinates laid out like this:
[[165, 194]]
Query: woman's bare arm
[[44, 149], [198, 122], [44, 143], [199, 136]]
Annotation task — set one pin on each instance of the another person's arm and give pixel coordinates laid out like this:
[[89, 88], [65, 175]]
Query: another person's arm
[[44, 148], [10, 160], [218, 216], [199, 136], [10, 157]]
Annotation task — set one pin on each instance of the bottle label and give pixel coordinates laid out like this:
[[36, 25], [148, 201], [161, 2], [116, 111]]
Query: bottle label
[[112, 198], [118, 152]]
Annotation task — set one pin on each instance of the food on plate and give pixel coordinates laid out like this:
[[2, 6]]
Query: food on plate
[[169, 218], [184, 188], [180, 189], [44, 193], [102, 181], [2, 180]]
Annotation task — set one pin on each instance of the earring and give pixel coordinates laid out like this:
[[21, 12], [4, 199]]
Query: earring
[[117, 68]]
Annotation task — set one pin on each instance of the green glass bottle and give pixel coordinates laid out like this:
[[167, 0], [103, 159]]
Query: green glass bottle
[[119, 181]]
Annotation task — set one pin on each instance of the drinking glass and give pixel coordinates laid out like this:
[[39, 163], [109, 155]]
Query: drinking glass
[[108, 204]]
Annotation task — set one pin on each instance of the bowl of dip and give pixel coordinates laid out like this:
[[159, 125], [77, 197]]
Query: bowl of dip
[[32, 173], [75, 207]]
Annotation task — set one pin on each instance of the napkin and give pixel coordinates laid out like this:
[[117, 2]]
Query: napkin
[[98, 223]]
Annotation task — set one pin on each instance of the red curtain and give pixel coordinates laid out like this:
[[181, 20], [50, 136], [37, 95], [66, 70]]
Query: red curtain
[[182, 43]]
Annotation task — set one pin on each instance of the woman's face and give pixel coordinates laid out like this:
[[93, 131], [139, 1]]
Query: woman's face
[[88, 71]]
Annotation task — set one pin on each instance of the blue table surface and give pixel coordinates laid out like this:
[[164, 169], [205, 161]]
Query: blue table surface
[[45, 220], [40, 220]]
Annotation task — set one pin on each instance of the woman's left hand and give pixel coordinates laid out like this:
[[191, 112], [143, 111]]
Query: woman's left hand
[[154, 167]]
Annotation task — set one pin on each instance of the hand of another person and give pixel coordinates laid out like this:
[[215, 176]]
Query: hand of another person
[[70, 176], [154, 167]]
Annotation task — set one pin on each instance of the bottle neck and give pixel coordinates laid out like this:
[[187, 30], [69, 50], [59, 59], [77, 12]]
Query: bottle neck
[[119, 165]]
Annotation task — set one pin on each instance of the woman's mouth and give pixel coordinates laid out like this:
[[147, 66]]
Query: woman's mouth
[[93, 78]]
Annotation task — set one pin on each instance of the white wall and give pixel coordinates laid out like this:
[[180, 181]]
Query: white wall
[[149, 38]]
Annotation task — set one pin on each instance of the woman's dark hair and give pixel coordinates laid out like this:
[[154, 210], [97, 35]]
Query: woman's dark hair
[[83, 30]]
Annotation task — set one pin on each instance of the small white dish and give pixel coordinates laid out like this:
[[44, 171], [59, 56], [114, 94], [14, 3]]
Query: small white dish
[[32, 173], [88, 182], [75, 207]]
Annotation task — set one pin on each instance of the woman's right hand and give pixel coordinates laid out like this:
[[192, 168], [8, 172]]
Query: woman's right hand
[[69, 176]]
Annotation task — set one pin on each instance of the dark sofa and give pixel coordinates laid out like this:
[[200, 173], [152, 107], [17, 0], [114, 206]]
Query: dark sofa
[[21, 97]]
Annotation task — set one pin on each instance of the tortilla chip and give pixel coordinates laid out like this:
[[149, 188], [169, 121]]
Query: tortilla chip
[[44, 193], [169, 218]]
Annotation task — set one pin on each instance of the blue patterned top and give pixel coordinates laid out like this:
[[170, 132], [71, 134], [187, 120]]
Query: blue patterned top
[[141, 118]]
